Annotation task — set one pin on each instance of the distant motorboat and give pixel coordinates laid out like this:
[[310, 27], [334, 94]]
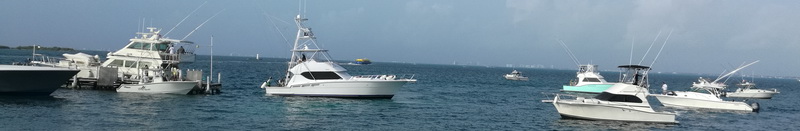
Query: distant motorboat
[[748, 90], [318, 76], [588, 80], [625, 101], [32, 80], [363, 61], [515, 75]]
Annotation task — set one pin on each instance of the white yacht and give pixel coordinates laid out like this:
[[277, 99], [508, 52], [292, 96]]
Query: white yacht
[[311, 73], [748, 90], [147, 61], [32, 80], [515, 75], [705, 94], [588, 80], [148, 50], [625, 101]]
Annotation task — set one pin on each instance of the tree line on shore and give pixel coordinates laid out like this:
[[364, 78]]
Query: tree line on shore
[[54, 48]]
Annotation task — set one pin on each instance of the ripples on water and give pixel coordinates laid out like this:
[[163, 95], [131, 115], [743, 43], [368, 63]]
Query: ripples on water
[[445, 98]]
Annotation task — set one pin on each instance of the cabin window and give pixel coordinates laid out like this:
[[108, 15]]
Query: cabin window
[[136, 45], [116, 63], [618, 98], [320, 75], [162, 46], [142, 64], [130, 64], [591, 80], [146, 46]]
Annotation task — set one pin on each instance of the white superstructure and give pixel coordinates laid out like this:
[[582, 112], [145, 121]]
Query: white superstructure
[[312, 73], [148, 50]]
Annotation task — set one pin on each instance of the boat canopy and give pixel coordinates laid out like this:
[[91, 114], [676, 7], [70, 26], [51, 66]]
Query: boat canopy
[[634, 66]]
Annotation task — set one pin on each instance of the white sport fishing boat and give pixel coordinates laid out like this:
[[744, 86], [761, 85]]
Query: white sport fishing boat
[[32, 80], [317, 75], [748, 90], [705, 94], [515, 75], [625, 101]]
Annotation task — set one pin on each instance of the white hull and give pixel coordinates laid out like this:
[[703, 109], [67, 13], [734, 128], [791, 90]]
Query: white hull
[[371, 89], [167, 87], [30, 80], [752, 93], [516, 78], [681, 101], [593, 111]]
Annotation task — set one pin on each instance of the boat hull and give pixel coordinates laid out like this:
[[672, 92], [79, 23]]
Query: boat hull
[[592, 88], [41, 81], [757, 94], [168, 87], [348, 89], [680, 101], [591, 111], [516, 78]]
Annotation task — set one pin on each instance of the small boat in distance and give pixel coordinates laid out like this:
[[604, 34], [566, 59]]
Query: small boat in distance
[[587, 80], [363, 61], [32, 80], [515, 75], [748, 90], [624, 101]]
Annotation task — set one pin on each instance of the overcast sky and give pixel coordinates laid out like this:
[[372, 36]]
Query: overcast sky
[[708, 36]]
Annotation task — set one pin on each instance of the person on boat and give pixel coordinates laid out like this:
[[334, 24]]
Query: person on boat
[[181, 50], [171, 52], [664, 88], [269, 81], [146, 73]]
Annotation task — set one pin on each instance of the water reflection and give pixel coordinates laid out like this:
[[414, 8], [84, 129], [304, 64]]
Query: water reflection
[[304, 113], [574, 124]]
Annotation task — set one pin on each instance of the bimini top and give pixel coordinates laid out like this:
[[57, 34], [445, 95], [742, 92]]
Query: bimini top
[[634, 66]]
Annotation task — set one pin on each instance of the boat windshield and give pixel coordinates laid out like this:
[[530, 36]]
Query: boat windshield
[[618, 98]]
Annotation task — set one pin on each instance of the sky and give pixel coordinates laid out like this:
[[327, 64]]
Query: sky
[[707, 36]]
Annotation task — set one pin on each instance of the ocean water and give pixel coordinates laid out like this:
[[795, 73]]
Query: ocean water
[[446, 97]]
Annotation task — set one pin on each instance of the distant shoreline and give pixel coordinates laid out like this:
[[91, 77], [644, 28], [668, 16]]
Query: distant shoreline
[[54, 48]]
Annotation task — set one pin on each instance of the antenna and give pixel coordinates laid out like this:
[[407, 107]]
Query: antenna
[[734, 71], [630, 60], [662, 48], [201, 24], [651, 46], [184, 18], [569, 52], [277, 29]]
